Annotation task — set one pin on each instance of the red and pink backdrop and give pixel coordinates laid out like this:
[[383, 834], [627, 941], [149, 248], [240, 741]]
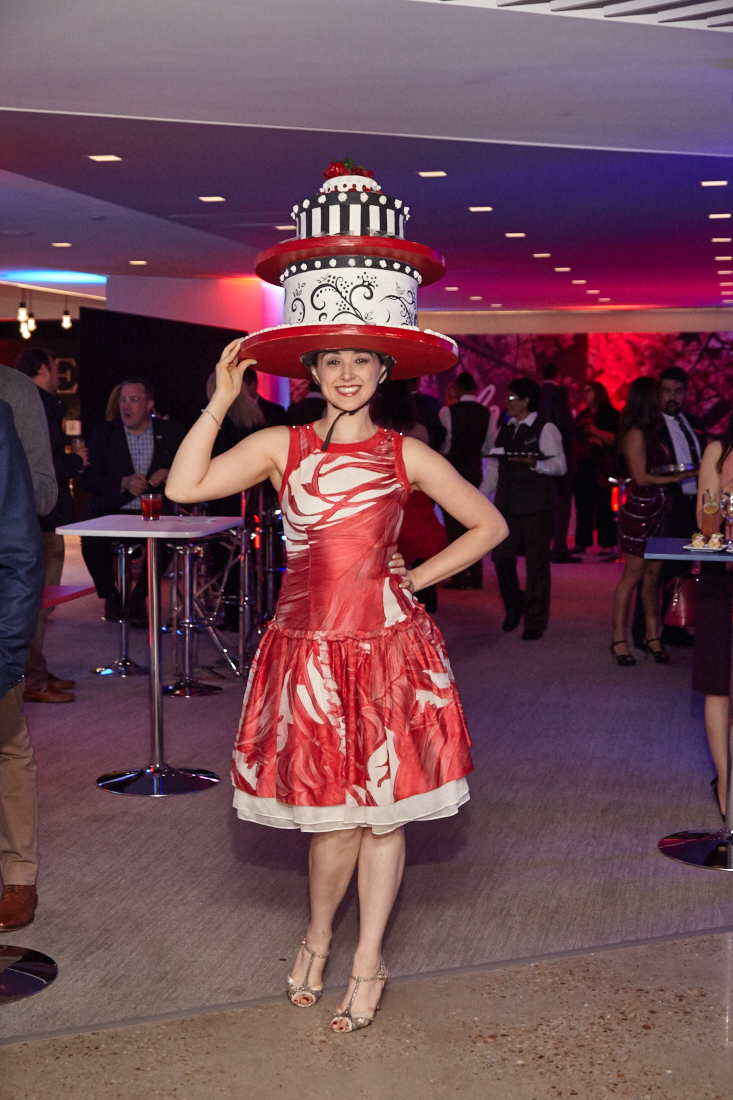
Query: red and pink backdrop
[[614, 359]]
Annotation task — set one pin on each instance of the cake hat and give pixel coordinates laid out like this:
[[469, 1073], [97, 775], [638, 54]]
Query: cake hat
[[350, 281]]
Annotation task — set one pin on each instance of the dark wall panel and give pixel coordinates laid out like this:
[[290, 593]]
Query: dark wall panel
[[175, 356]]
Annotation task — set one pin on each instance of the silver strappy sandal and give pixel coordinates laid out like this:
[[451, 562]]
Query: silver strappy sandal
[[357, 1022], [294, 990]]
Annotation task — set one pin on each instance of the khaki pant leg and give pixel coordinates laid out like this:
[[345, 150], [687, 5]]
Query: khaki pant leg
[[18, 795], [36, 670]]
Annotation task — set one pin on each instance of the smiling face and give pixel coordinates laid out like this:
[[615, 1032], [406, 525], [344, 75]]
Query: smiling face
[[348, 377]]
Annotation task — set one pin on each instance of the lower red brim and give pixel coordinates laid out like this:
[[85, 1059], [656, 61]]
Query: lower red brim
[[416, 353]]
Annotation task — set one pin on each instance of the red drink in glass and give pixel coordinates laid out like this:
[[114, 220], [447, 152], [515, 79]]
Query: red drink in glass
[[152, 505]]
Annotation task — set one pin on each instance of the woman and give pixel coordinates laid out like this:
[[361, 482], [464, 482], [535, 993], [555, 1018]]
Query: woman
[[351, 724], [596, 427], [713, 612], [643, 515]]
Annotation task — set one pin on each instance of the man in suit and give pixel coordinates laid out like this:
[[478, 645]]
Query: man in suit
[[685, 437], [41, 686], [21, 588], [128, 456], [555, 409], [273, 413], [467, 425], [428, 414]]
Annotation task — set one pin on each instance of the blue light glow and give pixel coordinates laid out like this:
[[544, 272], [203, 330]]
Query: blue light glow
[[41, 275]]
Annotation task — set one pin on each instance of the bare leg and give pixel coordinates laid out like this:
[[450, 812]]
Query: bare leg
[[332, 860], [716, 727], [650, 599], [381, 863], [632, 574]]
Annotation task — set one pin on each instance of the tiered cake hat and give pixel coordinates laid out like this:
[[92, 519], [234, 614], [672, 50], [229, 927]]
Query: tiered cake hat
[[350, 281]]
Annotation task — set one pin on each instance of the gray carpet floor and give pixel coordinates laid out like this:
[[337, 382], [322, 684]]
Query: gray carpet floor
[[157, 906]]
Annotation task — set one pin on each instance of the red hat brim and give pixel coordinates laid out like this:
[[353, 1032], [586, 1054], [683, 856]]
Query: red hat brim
[[415, 353]]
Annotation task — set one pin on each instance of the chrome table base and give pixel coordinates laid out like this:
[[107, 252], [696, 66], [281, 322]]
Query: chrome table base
[[23, 972], [712, 850], [155, 782], [123, 666]]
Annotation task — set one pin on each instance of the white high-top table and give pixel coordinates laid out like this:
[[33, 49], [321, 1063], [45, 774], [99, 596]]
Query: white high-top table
[[158, 778]]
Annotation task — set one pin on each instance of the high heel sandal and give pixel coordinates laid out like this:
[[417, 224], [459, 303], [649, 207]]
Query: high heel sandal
[[296, 990], [357, 1022], [661, 657], [623, 659]]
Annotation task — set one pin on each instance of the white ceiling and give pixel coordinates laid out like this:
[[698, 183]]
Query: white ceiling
[[373, 66]]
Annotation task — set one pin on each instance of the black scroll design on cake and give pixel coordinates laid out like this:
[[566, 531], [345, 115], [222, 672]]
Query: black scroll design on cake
[[406, 304], [297, 305], [339, 292]]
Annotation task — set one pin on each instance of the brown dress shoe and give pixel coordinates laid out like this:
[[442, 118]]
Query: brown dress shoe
[[17, 907], [50, 694], [60, 685]]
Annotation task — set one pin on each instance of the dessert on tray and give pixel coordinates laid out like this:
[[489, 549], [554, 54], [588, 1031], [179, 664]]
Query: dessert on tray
[[698, 540]]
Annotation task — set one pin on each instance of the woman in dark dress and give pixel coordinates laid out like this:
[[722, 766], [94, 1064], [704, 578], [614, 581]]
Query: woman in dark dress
[[643, 515], [713, 611], [596, 428]]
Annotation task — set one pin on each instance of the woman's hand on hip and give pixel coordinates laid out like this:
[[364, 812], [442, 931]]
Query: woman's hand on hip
[[398, 569]]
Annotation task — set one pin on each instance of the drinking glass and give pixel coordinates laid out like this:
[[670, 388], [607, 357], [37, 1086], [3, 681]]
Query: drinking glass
[[710, 514], [152, 505]]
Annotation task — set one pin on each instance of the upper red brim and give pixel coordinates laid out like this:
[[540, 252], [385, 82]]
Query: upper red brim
[[416, 353]]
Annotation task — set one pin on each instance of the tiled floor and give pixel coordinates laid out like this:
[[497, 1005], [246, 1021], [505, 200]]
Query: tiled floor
[[650, 1022]]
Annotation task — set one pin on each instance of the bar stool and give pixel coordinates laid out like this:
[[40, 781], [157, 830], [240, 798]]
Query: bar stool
[[124, 665], [188, 686]]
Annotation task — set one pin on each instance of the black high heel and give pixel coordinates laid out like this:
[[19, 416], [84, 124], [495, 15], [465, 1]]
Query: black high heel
[[625, 660], [661, 657]]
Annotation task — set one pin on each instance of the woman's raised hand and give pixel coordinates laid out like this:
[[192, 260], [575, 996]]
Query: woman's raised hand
[[229, 370]]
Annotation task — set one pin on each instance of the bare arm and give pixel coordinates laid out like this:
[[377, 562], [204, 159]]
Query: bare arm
[[428, 471], [708, 480], [633, 449], [195, 476]]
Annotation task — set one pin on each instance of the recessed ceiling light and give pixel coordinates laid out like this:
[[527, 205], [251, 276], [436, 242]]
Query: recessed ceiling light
[[138, 263], [604, 299], [726, 284], [293, 227], [515, 234], [716, 217], [104, 157], [432, 175], [723, 272], [722, 259], [476, 298], [484, 210], [67, 244], [714, 183], [220, 198], [541, 255], [721, 240], [592, 292], [579, 282], [562, 269], [450, 288], [496, 305]]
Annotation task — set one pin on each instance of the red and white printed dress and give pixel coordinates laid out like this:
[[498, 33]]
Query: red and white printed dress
[[351, 715]]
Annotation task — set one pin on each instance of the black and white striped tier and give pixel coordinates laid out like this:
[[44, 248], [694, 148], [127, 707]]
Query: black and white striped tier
[[351, 214]]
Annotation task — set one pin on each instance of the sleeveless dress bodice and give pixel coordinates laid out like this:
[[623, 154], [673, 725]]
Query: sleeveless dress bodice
[[351, 715]]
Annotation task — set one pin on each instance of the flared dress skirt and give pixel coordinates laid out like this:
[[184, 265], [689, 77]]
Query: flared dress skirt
[[351, 715]]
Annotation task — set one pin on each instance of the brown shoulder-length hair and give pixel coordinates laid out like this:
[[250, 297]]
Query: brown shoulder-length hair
[[642, 409], [727, 444]]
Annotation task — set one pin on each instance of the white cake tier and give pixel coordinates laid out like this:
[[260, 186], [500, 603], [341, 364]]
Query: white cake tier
[[351, 290], [350, 183]]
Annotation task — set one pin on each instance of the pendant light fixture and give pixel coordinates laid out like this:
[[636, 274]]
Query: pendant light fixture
[[24, 331], [66, 316], [31, 322], [22, 314]]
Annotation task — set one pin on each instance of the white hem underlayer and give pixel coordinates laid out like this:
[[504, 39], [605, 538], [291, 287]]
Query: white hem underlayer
[[443, 802]]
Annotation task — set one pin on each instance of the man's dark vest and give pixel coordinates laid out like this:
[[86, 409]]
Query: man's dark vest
[[521, 490], [469, 425]]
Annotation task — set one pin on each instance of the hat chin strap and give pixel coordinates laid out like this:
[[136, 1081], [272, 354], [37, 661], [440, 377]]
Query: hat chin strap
[[348, 412]]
